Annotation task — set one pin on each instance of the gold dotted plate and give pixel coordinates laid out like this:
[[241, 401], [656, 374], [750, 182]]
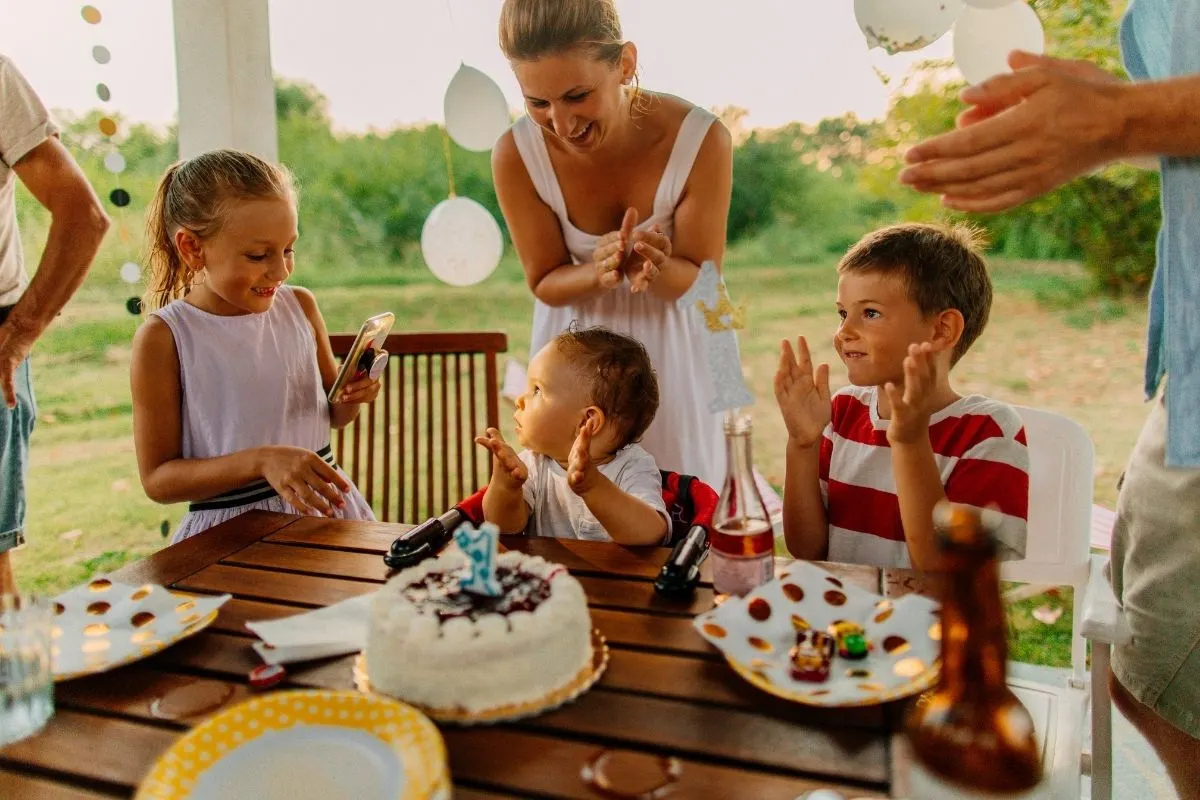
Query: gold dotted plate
[[286, 727], [100, 661], [582, 681], [755, 633]]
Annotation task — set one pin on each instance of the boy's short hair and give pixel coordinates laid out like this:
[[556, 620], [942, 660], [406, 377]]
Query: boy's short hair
[[622, 380], [942, 265]]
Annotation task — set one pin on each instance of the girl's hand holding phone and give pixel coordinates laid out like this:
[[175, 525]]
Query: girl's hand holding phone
[[362, 388]]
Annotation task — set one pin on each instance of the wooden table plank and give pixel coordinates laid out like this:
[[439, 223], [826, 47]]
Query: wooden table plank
[[133, 690], [28, 787], [308, 576], [116, 752], [261, 584], [535, 763], [668, 726], [173, 563]]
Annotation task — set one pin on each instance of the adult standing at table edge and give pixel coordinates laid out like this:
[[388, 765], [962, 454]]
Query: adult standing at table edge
[[1030, 132], [614, 196], [31, 151]]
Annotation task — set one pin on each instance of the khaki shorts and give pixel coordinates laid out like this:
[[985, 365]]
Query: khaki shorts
[[1155, 572]]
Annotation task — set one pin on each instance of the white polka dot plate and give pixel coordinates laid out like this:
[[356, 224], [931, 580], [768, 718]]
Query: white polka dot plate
[[756, 634], [305, 745], [103, 625]]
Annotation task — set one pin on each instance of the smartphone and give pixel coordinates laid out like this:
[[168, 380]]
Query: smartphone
[[363, 352]]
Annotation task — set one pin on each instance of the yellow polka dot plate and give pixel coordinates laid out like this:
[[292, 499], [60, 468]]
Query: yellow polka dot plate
[[103, 625], [302, 745], [756, 634]]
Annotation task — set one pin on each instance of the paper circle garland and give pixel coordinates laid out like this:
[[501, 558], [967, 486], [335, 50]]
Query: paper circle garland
[[475, 109], [119, 198], [101, 55], [131, 272], [107, 126], [90, 14], [900, 26], [461, 241], [983, 38], [134, 305], [103, 93], [114, 162]]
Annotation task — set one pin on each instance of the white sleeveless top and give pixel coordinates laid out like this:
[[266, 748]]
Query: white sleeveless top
[[249, 381], [685, 436]]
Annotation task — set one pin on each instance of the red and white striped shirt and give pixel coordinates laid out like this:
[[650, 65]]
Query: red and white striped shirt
[[980, 450]]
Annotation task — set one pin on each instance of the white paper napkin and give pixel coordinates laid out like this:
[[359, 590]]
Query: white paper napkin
[[330, 631]]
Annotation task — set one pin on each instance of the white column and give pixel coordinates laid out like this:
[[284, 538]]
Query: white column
[[226, 89]]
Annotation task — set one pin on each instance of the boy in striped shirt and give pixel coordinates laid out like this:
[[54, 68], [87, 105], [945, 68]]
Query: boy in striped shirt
[[866, 467]]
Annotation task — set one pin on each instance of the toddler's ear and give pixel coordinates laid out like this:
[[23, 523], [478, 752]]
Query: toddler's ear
[[593, 420]]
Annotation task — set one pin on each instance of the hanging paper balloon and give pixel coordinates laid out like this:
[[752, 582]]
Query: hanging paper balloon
[[131, 272], [103, 93], [983, 38], [114, 162], [134, 306], [461, 241], [902, 25], [119, 198], [989, 3], [475, 108], [101, 54]]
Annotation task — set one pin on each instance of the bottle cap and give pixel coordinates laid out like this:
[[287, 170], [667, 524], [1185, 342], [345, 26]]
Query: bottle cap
[[265, 676]]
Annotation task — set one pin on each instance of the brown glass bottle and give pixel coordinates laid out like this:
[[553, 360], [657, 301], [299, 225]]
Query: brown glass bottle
[[971, 729]]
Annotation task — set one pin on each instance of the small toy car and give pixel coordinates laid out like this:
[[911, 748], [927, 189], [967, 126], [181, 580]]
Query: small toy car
[[850, 638], [812, 656]]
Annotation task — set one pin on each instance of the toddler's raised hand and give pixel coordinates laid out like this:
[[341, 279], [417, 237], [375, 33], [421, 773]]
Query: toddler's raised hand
[[913, 405], [581, 470], [506, 464], [802, 394]]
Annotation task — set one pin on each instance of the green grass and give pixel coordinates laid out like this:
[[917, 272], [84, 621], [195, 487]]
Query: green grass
[[84, 482]]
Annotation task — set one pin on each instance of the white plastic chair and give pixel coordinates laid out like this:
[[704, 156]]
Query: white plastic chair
[[1058, 554]]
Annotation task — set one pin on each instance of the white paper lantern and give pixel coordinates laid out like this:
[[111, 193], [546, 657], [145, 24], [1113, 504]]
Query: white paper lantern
[[475, 108], [903, 25], [983, 38], [461, 241], [990, 3]]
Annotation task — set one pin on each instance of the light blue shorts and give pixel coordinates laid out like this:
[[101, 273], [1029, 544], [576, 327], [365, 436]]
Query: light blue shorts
[[16, 426]]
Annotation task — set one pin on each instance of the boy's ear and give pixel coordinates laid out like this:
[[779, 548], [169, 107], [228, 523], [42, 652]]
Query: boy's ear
[[947, 329]]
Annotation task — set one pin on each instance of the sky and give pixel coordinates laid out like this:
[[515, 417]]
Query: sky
[[383, 63]]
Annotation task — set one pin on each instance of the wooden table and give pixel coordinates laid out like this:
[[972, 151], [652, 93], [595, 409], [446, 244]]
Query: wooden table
[[666, 691]]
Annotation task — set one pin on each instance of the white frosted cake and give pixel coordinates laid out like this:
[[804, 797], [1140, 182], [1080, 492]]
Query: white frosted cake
[[433, 644]]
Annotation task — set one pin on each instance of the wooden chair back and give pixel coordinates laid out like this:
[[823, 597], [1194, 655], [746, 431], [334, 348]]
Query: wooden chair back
[[411, 452]]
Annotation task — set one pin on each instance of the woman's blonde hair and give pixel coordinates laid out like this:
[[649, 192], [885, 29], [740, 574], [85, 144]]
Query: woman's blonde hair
[[533, 29], [195, 194]]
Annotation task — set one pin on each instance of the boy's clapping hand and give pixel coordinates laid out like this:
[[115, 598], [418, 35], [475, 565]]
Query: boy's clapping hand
[[506, 463], [913, 404], [802, 394]]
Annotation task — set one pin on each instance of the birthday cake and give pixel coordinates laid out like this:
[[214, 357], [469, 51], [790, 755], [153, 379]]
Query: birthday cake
[[435, 644]]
